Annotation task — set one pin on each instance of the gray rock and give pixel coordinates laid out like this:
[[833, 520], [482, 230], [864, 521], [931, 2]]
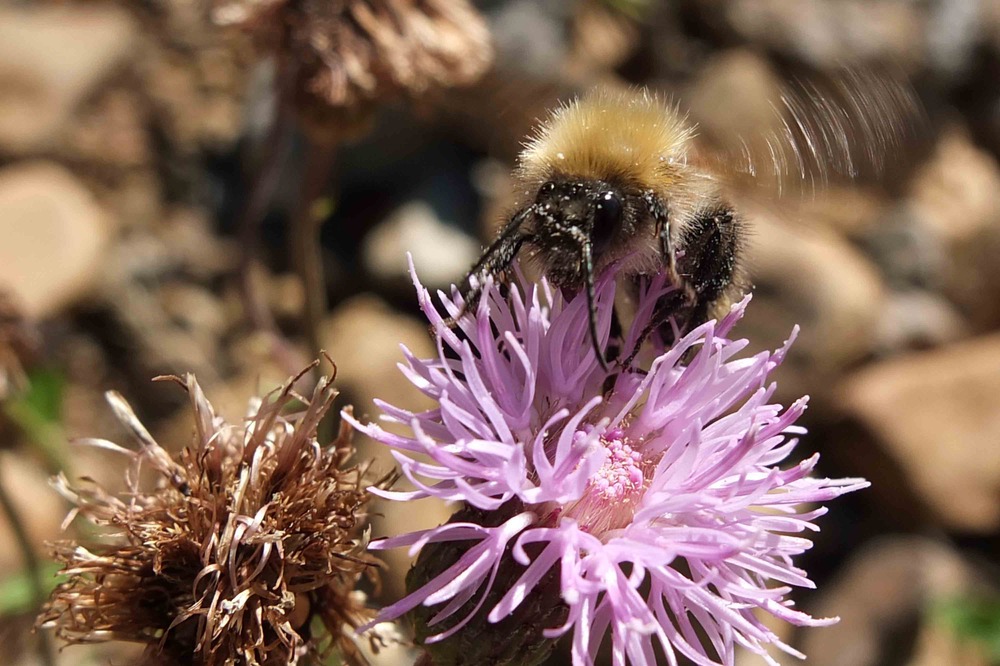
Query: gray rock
[[825, 33], [916, 319], [441, 252], [958, 27], [907, 248], [530, 37]]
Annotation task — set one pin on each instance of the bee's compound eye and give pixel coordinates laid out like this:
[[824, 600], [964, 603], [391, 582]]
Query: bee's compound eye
[[607, 216]]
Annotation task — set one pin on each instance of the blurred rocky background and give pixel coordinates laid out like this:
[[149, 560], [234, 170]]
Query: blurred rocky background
[[134, 136]]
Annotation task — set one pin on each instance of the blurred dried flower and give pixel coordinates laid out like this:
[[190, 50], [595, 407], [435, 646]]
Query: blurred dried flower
[[348, 55], [248, 542], [17, 344]]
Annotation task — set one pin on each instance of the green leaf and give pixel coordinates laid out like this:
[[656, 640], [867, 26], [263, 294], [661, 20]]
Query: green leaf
[[17, 596], [976, 619], [45, 394], [37, 411], [634, 9], [330, 657]]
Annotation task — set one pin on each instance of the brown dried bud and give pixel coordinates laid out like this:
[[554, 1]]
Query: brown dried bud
[[347, 56], [249, 541]]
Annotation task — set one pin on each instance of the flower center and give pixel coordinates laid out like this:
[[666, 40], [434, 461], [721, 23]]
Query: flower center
[[621, 474], [615, 490]]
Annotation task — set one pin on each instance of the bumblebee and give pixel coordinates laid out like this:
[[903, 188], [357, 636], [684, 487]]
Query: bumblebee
[[616, 178]]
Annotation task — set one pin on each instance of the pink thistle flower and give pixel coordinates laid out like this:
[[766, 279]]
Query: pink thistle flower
[[659, 507]]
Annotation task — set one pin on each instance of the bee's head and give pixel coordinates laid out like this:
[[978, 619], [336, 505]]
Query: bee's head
[[576, 221]]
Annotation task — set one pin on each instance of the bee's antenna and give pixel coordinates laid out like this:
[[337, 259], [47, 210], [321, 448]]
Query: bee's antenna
[[588, 266]]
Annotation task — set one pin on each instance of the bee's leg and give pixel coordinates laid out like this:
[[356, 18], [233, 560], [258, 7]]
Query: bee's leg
[[614, 350], [705, 274], [663, 321], [687, 291], [662, 219], [713, 245], [588, 273], [495, 260], [675, 300]]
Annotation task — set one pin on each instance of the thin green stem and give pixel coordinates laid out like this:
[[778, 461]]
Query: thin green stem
[[46, 653]]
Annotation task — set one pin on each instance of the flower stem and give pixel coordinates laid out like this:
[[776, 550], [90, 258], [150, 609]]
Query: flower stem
[[311, 211], [307, 252], [264, 182], [45, 654]]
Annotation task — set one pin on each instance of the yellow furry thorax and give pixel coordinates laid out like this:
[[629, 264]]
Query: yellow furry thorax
[[632, 137]]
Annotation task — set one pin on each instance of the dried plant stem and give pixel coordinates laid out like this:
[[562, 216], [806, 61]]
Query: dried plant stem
[[261, 190], [46, 655], [306, 247], [307, 252]]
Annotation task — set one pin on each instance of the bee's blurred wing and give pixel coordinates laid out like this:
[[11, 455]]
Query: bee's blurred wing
[[853, 125]]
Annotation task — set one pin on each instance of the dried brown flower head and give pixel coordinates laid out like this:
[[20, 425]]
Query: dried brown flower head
[[348, 55], [248, 542], [18, 344]]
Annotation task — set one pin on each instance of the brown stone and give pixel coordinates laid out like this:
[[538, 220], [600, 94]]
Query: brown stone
[[847, 209], [110, 133], [603, 39], [812, 278], [938, 643], [955, 193], [196, 310], [363, 336], [50, 59], [737, 74], [937, 416], [38, 506], [881, 598], [957, 188], [916, 319], [52, 234]]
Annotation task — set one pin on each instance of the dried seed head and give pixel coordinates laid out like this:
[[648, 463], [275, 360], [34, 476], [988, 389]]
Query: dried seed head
[[346, 56], [248, 543]]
